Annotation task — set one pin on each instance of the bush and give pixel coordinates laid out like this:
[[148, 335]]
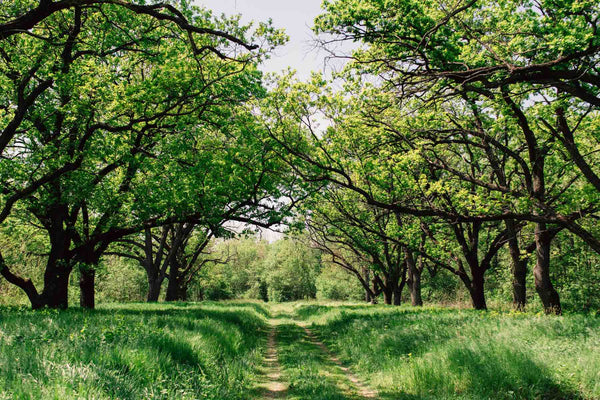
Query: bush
[[334, 283], [291, 269], [120, 280]]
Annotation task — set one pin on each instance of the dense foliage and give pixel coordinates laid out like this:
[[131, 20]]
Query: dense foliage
[[453, 161], [456, 153]]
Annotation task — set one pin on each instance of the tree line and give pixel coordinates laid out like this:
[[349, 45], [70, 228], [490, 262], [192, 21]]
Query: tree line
[[456, 136]]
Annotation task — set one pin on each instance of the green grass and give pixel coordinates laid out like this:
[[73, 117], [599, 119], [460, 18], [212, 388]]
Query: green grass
[[436, 353], [306, 368], [216, 351], [208, 351]]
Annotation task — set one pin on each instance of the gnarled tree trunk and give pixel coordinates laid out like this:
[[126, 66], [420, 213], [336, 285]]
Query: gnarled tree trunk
[[87, 286], [176, 288], [477, 290], [541, 273], [154, 285], [414, 279], [518, 268]]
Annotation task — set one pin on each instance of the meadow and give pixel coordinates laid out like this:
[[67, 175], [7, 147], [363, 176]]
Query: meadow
[[215, 350]]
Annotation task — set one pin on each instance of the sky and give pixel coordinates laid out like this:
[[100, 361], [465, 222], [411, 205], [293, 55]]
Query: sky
[[295, 16]]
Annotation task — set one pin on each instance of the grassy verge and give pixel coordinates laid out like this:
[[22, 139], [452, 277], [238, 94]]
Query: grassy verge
[[208, 351], [463, 354]]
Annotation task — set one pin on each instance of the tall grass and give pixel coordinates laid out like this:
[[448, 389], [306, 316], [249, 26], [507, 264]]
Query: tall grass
[[215, 351], [141, 351], [434, 353]]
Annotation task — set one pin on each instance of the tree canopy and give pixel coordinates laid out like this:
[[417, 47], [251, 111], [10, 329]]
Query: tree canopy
[[460, 141]]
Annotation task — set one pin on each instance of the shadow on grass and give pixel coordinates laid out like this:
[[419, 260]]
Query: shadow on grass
[[499, 372], [179, 351], [310, 371], [398, 335], [474, 366]]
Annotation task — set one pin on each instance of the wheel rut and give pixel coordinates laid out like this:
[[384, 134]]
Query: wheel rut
[[363, 390], [274, 387]]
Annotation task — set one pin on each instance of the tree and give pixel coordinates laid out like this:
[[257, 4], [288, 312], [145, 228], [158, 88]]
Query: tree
[[290, 271], [544, 71], [107, 107], [172, 251], [353, 235]]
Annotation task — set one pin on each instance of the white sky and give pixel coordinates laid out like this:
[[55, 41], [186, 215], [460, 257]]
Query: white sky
[[296, 17]]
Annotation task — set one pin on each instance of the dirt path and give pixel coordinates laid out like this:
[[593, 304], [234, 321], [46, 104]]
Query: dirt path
[[363, 390], [274, 387]]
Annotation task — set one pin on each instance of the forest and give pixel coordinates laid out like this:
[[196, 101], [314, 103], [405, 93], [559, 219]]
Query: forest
[[436, 200]]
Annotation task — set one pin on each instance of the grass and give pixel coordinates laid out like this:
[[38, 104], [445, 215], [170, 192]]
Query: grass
[[309, 373], [216, 351], [208, 351], [435, 353]]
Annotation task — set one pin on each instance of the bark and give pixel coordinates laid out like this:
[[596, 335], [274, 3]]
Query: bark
[[58, 266], [414, 280], [154, 264], [367, 274], [399, 288], [176, 288], [56, 285], [477, 290], [541, 273], [416, 298], [387, 295], [25, 284], [470, 248], [88, 259], [154, 285], [390, 286], [376, 291], [87, 286], [518, 268]]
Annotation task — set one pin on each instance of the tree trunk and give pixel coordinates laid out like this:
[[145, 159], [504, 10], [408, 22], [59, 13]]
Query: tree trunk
[[56, 276], [177, 287], [176, 292], [173, 284], [541, 273], [25, 284], [154, 285], [56, 288], [518, 268], [87, 286], [477, 289], [58, 265], [377, 289], [399, 288], [367, 274], [398, 295], [387, 295], [415, 288], [414, 280], [391, 285]]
